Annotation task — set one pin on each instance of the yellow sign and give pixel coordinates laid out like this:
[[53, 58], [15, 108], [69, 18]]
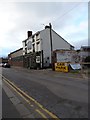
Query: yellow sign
[[62, 67]]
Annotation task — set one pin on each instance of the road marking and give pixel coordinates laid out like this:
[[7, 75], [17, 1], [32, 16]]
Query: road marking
[[26, 100], [18, 92], [29, 97], [41, 114]]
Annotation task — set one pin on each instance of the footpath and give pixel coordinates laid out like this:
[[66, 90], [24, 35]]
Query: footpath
[[8, 109]]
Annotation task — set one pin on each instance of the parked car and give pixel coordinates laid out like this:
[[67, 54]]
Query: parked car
[[1, 64], [6, 65]]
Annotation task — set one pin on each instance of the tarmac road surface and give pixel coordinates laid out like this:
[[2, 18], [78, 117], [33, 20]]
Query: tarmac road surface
[[63, 94]]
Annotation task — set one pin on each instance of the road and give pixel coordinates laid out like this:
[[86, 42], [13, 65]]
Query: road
[[63, 94]]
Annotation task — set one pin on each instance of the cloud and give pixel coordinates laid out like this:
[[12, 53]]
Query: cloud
[[74, 26], [44, 0], [76, 34], [19, 17], [80, 43]]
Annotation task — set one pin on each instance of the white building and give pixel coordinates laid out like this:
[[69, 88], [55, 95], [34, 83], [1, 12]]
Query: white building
[[37, 47]]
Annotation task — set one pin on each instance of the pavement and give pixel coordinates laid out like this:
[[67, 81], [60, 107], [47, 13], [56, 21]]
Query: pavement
[[13, 105], [8, 109]]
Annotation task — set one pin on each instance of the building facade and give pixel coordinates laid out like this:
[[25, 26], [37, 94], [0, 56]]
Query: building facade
[[16, 58], [3, 60], [67, 56], [37, 47]]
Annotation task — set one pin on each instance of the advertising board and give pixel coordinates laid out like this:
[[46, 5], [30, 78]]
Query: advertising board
[[61, 66]]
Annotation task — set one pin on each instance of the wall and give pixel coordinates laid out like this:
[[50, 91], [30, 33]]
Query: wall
[[17, 53], [66, 56], [45, 46], [24, 46], [83, 55], [17, 63], [29, 45], [16, 58], [58, 42]]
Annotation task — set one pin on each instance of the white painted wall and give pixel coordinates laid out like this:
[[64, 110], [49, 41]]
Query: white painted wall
[[58, 42], [45, 39], [29, 45], [38, 46]]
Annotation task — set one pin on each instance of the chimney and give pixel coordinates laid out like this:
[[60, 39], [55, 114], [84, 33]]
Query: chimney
[[47, 27], [29, 33]]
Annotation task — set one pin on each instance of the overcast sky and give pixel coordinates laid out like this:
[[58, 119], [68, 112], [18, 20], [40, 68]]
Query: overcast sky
[[68, 19]]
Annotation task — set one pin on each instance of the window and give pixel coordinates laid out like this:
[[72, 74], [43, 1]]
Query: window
[[38, 46], [37, 39], [25, 50], [29, 45], [33, 40], [33, 47], [47, 58], [37, 34]]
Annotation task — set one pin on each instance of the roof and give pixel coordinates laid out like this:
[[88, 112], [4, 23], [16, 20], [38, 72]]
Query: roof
[[16, 51], [63, 50], [53, 31], [32, 35], [85, 46], [25, 40]]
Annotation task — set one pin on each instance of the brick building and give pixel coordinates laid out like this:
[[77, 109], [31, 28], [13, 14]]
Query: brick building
[[16, 58]]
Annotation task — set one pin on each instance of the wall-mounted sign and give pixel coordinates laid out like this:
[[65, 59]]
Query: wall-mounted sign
[[37, 59], [61, 66]]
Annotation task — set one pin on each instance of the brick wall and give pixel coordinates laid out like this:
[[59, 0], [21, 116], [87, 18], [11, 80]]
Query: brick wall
[[17, 53], [17, 61]]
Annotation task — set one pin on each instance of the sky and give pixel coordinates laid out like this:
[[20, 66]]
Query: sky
[[68, 19]]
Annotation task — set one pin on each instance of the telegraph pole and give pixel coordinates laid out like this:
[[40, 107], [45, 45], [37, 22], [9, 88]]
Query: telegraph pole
[[51, 45], [51, 36]]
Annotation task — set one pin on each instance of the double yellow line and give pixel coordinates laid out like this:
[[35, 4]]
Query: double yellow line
[[28, 98]]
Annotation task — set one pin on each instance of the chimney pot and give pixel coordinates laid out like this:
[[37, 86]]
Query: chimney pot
[[29, 33], [47, 26]]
